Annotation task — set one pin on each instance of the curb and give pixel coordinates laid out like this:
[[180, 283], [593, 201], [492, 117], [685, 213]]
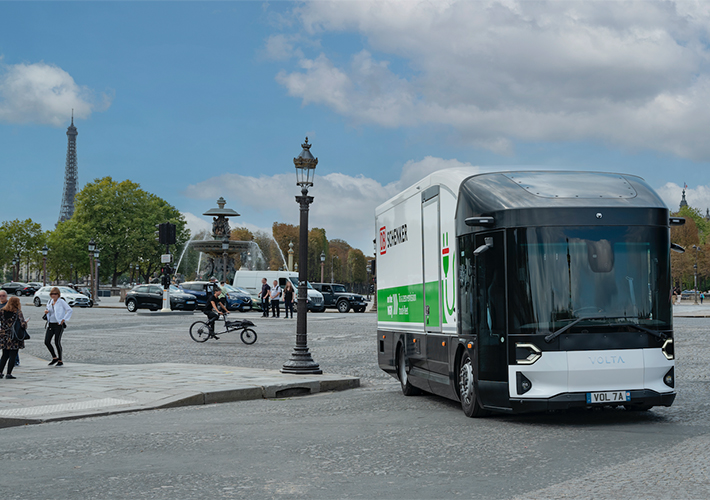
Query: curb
[[245, 393]]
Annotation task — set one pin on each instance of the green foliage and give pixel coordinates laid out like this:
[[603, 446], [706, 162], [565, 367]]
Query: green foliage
[[21, 240], [121, 218], [701, 223]]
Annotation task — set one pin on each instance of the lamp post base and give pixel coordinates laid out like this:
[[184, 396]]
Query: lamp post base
[[301, 363]]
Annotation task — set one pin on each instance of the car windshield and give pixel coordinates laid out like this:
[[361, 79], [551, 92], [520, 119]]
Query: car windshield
[[294, 281], [66, 290], [339, 289], [562, 274], [231, 289]]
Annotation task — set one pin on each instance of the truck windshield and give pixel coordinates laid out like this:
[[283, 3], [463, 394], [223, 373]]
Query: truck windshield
[[560, 275]]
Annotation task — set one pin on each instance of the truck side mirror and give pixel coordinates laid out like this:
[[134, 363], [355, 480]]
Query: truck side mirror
[[484, 248]]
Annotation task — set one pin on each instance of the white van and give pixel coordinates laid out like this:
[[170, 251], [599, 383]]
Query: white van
[[251, 282]]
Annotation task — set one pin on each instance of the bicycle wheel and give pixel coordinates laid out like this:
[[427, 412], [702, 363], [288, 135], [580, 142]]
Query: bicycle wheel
[[248, 336], [200, 331]]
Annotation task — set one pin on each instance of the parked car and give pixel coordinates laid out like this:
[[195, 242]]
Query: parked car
[[36, 285], [72, 297], [336, 296], [251, 282], [238, 299], [151, 297], [18, 288]]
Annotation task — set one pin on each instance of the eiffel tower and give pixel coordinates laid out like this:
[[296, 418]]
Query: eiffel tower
[[71, 175]]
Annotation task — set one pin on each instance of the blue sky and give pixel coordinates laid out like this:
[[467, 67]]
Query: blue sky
[[196, 100]]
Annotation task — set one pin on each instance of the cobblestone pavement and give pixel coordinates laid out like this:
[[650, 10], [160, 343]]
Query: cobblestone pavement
[[370, 442]]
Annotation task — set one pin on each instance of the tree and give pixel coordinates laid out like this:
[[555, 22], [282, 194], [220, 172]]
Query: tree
[[317, 244], [121, 218], [285, 234], [357, 265], [22, 240]]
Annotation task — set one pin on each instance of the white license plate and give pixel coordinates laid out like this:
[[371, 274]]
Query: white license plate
[[608, 397], [190, 301]]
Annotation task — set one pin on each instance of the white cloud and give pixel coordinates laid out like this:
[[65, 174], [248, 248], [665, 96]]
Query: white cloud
[[697, 197], [634, 74], [44, 93], [344, 206]]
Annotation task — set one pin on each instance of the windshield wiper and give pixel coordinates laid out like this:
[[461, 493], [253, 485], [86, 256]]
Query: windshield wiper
[[658, 335], [549, 338]]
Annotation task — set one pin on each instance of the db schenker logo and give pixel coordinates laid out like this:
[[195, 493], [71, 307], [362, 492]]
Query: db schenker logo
[[383, 240]]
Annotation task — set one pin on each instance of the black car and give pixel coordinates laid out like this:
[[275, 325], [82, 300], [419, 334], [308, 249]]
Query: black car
[[237, 299], [336, 296], [151, 297], [19, 289]]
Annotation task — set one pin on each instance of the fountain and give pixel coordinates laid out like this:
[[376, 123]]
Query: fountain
[[213, 248]]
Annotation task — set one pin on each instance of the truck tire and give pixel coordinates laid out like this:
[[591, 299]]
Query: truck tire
[[344, 306], [407, 388], [467, 389]]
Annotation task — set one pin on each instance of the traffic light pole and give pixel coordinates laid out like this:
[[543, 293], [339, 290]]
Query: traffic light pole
[[166, 282]]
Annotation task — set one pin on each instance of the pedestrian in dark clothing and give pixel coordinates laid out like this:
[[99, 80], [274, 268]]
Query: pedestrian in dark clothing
[[264, 295], [288, 298], [11, 313]]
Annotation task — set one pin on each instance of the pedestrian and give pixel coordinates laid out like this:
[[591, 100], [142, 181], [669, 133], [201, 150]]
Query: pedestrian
[[288, 298], [702, 296], [3, 303], [11, 313], [275, 296], [58, 313], [264, 295]]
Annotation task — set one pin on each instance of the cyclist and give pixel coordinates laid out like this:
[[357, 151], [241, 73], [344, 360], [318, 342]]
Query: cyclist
[[212, 310]]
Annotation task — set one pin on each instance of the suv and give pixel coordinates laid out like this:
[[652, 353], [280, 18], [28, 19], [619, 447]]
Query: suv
[[335, 295]]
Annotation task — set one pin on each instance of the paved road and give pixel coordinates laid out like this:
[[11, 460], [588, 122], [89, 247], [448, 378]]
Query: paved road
[[370, 442]]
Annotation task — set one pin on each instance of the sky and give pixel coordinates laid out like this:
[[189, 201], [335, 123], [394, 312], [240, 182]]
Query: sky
[[197, 100]]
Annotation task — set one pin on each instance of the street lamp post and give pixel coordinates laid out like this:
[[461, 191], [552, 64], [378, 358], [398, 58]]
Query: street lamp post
[[695, 269], [45, 251], [92, 247], [96, 276], [301, 361], [322, 265], [225, 247], [290, 256], [14, 269]]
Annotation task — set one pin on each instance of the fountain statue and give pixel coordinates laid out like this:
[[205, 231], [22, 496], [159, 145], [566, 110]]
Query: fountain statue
[[220, 252]]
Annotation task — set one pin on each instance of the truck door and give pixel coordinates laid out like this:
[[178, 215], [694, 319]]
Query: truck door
[[491, 318], [430, 260]]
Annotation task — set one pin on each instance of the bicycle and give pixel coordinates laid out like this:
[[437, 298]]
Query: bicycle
[[200, 330]]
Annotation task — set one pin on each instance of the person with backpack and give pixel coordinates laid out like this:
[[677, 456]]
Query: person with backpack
[[9, 315]]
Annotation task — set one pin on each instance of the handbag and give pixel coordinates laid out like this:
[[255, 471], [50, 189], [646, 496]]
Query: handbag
[[19, 333]]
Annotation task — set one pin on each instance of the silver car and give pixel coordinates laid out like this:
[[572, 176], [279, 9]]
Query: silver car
[[72, 297]]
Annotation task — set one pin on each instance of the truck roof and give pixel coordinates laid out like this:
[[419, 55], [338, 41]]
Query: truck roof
[[496, 189]]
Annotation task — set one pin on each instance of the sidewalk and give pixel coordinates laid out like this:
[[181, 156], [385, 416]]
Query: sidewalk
[[687, 309], [44, 393]]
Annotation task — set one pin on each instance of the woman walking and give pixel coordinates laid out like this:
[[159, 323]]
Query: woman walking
[[10, 313], [288, 298], [58, 313]]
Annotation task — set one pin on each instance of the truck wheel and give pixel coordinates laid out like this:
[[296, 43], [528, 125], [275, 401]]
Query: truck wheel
[[407, 388], [467, 391], [344, 306]]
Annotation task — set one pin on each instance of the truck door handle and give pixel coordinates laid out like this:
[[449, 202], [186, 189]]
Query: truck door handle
[[427, 310]]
